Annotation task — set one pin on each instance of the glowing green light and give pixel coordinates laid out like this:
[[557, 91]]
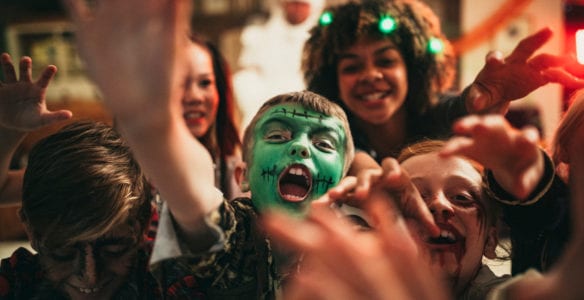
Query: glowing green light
[[326, 18], [435, 46], [387, 24]]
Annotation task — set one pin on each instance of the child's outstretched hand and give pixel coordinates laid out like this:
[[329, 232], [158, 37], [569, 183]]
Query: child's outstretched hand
[[340, 262], [23, 105], [506, 79], [390, 179], [512, 155], [135, 52]]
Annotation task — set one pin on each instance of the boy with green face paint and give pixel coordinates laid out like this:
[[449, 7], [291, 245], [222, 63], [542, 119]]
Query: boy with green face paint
[[298, 145], [296, 148]]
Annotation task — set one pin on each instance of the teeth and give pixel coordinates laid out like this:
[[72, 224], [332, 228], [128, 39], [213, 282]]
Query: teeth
[[448, 235], [193, 115], [88, 290], [293, 197], [296, 171], [373, 96]]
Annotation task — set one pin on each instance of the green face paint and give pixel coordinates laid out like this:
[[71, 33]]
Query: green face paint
[[298, 154]]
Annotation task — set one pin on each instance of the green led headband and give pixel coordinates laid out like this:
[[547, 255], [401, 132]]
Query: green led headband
[[387, 24], [326, 18], [435, 46]]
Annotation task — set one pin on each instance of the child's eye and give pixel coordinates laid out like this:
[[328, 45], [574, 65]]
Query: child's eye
[[386, 62], [114, 250], [463, 199], [64, 254], [324, 144], [349, 69], [205, 83], [278, 136]]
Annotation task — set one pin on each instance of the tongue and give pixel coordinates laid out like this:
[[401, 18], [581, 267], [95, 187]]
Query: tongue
[[293, 192]]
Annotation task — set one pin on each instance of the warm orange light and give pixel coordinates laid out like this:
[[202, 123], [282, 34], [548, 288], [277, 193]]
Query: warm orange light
[[580, 46]]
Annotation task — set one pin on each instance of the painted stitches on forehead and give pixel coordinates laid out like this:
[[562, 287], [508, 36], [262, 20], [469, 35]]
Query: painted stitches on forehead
[[294, 113]]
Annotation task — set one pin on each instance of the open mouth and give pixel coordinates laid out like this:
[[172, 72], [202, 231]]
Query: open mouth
[[90, 290], [295, 183], [193, 115], [449, 246], [449, 235], [446, 237], [374, 96]]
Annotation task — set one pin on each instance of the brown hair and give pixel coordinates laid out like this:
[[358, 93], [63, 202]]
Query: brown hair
[[80, 183], [223, 135], [571, 120], [311, 101]]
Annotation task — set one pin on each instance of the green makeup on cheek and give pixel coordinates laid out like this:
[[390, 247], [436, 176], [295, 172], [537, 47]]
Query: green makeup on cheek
[[298, 155]]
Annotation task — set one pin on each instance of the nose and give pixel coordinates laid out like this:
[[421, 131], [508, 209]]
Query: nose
[[192, 94], [300, 149], [371, 73], [441, 208], [88, 271]]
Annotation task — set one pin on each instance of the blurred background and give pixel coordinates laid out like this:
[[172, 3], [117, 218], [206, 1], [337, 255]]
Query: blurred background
[[40, 29]]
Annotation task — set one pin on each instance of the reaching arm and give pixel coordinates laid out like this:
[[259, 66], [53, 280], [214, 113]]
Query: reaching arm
[[503, 80], [390, 178], [512, 155], [22, 109], [145, 44], [564, 280], [342, 263]]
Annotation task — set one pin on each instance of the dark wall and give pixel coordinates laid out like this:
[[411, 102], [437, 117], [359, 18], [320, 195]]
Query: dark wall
[[15, 11]]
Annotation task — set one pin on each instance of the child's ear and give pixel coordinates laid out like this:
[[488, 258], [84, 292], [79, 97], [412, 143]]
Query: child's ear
[[491, 243], [33, 242], [240, 174]]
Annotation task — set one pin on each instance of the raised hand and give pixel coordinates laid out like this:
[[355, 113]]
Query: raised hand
[[390, 179], [505, 79], [134, 52], [564, 280], [513, 155], [23, 105], [342, 263]]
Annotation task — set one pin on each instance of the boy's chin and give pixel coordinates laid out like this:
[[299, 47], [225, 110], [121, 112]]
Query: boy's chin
[[297, 209]]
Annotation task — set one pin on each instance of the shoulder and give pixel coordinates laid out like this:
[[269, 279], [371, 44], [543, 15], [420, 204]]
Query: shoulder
[[484, 283]]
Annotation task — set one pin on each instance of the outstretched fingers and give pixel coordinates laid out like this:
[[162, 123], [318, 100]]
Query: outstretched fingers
[[26, 69], [51, 117], [396, 182], [46, 77], [8, 68], [562, 77], [528, 46]]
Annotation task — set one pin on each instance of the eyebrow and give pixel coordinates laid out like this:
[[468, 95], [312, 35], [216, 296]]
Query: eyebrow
[[349, 55], [457, 179], [285, 120]]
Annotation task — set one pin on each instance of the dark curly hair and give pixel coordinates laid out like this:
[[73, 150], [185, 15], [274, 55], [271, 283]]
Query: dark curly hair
[[429, 74]]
